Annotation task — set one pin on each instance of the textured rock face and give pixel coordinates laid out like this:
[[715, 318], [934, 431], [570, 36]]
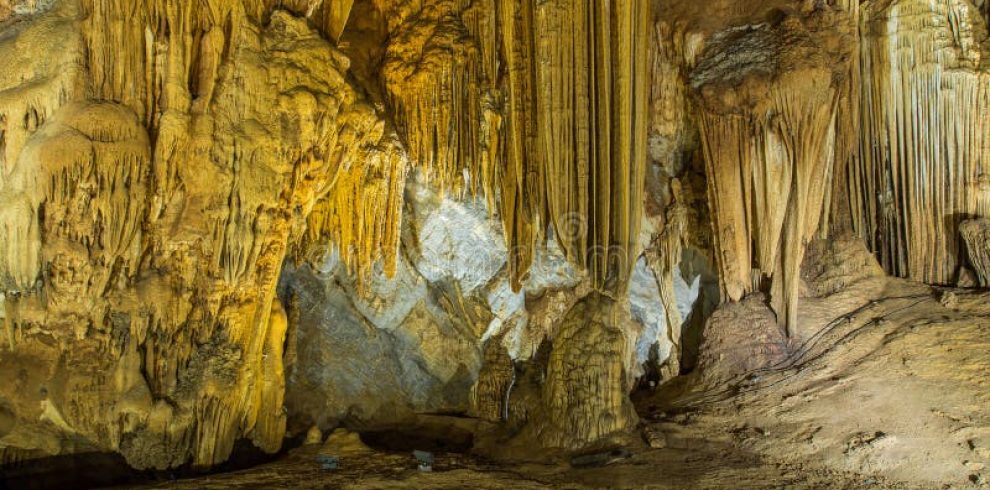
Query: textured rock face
[[423, 328], [208, 232], [425, 357], [10, 8], [146, 230]]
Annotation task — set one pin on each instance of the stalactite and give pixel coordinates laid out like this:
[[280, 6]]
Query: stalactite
[[437, 82], [548, 155], [93, 183], [28, 99], [924, 149], [374, 187], [768, 127], [542, 107], [330, 16], [579, 164], [491, 393], [846, 202]]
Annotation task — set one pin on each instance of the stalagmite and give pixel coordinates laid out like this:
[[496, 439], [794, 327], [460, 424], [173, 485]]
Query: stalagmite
[[976, 234], [663, 256], [490, 396], [584, 395]]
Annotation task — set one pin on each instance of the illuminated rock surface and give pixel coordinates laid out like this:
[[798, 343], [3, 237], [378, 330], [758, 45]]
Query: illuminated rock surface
[[730, 238]]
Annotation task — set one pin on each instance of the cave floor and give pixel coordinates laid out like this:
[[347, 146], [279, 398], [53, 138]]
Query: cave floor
[[705, 465], [887, 388]]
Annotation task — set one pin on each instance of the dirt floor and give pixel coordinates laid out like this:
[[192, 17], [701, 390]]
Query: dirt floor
[[895, 388], [704, 465]]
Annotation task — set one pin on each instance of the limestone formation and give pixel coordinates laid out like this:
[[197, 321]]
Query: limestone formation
[[903, 180], [727, 356], [447, 332], [540, 158], [664, 256], [245, 221]]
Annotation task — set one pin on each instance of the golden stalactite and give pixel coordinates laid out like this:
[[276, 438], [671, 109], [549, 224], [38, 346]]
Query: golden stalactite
[[554, 134], [329, 16], [434, 84], [578, 166], [28, 100], [845, 199], [363, 212], [162, 55]]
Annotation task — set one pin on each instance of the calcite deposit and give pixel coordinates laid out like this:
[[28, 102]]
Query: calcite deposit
[[578, 232]]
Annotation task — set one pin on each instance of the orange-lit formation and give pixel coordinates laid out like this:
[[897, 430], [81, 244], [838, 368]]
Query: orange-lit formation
[[260, 220]]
